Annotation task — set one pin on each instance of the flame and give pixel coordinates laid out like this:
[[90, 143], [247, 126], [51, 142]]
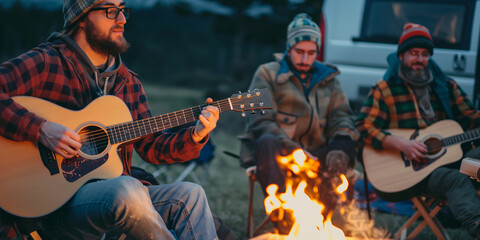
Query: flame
[[308, 213], [342, 187], [309, 222], [299, 157]]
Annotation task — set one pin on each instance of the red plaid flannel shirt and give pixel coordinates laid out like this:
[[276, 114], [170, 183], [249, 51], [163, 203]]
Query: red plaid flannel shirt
[[53, 72]]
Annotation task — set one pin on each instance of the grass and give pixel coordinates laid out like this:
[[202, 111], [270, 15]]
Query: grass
[[226, 183]]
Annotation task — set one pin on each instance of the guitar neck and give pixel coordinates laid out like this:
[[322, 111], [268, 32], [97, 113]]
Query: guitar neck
[[125, 132], [467, 136]]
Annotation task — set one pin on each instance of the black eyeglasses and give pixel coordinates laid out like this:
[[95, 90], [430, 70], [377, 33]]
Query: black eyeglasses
[[112, 12], [416, 53]]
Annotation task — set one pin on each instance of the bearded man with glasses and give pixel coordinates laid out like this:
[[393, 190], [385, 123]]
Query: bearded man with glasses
[[73, 68], [415, 94]]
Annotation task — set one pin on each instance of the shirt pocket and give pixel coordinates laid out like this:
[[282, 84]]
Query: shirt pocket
[[287, 122]]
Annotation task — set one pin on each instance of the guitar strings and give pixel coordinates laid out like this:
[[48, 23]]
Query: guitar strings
[[163, 118], [130, 126], [192, 112]]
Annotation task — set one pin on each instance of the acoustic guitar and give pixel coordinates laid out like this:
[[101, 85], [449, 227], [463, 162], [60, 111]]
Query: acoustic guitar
[[390, 171], [35, 181]]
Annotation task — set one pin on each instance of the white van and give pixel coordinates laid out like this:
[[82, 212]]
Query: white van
[[361, 33]]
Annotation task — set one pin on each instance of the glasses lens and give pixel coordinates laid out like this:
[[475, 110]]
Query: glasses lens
[[112, 13], [418, 53]]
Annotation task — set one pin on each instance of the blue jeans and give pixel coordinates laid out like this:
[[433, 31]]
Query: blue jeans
[[141, 212]]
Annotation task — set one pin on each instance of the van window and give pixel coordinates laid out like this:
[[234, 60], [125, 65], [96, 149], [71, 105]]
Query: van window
[[449, 21]]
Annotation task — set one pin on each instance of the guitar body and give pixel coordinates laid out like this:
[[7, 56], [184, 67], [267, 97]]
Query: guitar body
[[27, 187], [34, 181], [389, 172]]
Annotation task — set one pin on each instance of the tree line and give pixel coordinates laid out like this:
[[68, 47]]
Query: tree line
[[173, 45]]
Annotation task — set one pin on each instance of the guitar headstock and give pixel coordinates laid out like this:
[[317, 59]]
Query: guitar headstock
[[251, 100]]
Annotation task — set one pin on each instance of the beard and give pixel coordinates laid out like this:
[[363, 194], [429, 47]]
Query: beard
[[416, 76], [307, 68], [102, 43]]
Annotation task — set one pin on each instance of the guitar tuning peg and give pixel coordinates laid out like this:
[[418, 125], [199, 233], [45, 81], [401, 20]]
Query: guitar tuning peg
[[243, 114], [262, 112], [253, 112]]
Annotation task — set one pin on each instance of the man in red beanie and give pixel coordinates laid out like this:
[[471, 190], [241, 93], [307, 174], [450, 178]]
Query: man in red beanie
[[413, 94]]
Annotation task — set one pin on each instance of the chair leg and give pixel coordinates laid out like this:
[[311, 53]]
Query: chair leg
[[430, 219], [251, 183], [26, 233], [261, 225], [352, 177], [187, 171], [35, 236], [423, 210], [407, 224], [19, 234], [160, 171], [252, 178]]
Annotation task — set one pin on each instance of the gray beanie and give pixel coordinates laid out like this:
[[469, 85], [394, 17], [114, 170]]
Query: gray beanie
[[74, 9], [302, 28]]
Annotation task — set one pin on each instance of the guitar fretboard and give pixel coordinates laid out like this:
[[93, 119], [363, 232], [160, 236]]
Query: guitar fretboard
[[467, 136], [136, 129]]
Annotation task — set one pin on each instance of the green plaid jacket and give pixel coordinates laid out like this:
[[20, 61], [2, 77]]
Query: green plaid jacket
[[392, 104]]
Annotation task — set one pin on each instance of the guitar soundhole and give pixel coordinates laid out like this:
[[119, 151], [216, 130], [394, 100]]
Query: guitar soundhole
[[434, 145], [435, 150], [94, 140]]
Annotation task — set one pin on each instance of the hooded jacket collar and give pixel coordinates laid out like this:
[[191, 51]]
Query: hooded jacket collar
[[320, 71], [87, 64], [439, 78], [90, 70]]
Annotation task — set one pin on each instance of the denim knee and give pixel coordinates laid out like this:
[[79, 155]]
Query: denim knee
[[191, 191], [128, 195]]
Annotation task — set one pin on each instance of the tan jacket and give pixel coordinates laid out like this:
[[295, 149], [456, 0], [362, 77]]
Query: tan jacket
[[300, 122]]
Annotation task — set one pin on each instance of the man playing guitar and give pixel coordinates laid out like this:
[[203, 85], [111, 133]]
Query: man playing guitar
[[76, 67], [416, 94]]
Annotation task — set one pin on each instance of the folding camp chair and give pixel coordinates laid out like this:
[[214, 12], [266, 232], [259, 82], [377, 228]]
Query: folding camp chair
[[206, 155], [252, 178], [251, 173], [426, 208], [188, 171]]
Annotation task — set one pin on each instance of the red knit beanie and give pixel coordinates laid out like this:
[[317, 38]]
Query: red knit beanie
[[415, 35]]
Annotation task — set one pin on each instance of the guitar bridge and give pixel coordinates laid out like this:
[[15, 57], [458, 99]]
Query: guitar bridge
[[405, 160], [49, 159]]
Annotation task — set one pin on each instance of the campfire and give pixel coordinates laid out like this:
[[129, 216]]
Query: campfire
[[311, 218]]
